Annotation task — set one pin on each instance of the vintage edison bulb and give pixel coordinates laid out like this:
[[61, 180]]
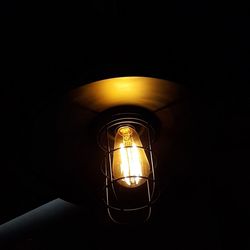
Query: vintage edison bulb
[[130, 162]]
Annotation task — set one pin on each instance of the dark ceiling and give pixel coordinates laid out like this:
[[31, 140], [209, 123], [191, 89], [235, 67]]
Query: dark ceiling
[[48, 49]]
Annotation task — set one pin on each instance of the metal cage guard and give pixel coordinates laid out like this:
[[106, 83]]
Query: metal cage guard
[[115, 195]]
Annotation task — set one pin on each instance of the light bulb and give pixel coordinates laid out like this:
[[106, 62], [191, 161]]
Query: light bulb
[[130, 164]]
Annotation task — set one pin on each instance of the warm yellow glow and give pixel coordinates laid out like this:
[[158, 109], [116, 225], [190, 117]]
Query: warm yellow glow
[[129, 160], [130, 164], [147, 92]]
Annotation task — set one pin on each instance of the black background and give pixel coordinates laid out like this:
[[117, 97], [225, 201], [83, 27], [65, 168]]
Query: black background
[[49, 48]]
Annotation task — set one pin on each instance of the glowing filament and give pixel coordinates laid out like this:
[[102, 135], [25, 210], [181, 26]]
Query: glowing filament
[[130, 163]]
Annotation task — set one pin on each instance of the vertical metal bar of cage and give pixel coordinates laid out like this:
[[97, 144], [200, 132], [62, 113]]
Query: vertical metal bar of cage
[[151, 160], [110, 162], [149, 200], [107, 178], [109, 174], [106, 183], [149, 192]]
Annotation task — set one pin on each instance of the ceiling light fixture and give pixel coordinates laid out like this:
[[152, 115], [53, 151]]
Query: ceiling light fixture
[[130, 115]]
